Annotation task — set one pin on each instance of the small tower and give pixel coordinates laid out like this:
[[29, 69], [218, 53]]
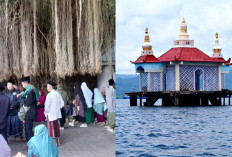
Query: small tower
[[217, 48], [147, 46], [183, 40]]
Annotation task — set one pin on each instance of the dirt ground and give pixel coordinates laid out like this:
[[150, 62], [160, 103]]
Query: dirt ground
[[93, 141]]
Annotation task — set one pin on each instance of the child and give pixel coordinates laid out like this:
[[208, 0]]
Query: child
[[75, 110], [69, 111]]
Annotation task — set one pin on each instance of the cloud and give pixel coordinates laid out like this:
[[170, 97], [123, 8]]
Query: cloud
[[163, 18]]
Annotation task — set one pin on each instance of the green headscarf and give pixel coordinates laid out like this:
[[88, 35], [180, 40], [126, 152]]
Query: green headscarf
[[36, 92], [42, 145]]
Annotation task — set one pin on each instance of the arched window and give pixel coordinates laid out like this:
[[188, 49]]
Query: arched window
[[140, 69], [169, 76], [199, 79]]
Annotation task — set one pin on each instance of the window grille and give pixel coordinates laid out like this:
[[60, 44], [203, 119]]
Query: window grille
[[187, 78], [154, 81], [169, 78], [144, 82]]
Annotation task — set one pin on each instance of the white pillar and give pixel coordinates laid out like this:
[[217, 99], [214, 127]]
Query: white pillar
[[224, 77], [102, 79], [140, 82], [219, 78], [177, 74]]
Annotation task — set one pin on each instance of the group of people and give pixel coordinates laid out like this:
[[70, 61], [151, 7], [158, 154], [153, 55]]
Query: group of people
[[18, 109]]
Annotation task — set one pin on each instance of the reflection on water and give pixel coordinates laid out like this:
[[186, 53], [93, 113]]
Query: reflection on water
[[173, 131]]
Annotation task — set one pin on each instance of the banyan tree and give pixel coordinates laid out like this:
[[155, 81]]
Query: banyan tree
[[62, 40]]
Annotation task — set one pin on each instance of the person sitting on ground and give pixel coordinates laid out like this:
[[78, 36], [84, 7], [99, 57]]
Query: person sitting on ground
[[42, 145], [5, 150]]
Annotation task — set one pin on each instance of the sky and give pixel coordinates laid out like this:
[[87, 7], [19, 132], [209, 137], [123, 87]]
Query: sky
[[163, 19]]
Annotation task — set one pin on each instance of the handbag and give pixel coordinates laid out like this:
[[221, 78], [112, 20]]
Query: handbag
[[22, 112]]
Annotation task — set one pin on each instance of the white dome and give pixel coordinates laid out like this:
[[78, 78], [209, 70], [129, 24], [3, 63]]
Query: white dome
[[147, 44]]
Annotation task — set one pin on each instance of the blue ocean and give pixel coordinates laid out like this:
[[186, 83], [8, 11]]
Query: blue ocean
[[173, 131]]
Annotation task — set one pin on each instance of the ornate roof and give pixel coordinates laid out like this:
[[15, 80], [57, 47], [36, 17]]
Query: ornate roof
[[188, 54], [147, 59]]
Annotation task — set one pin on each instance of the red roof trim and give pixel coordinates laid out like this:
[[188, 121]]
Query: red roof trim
[[179, 54], [147, 59], [188, 55]]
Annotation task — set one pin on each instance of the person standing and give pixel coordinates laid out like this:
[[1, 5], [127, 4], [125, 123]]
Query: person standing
[[111, 105], [99, 105], [4, 111], [79, 103], [88, 94], [40, 107], [29, 100], [14, 124], [64, 96], [53, 104]]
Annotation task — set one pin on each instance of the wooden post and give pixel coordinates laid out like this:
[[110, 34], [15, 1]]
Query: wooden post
[[224, 100], [133, 100], [204, 101], [175, 99], [141, 98], [162, 101], [220, 100], [229, 100]]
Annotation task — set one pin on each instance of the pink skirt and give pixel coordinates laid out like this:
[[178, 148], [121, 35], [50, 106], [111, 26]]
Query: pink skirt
[[100, 118], [41, 116]]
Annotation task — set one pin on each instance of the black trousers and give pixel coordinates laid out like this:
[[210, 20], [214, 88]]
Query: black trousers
[[63, 119], [29, 129]]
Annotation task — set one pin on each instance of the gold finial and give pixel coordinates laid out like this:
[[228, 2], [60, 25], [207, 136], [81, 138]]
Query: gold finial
[[216, 35], [147, 46], [146, 30], [146, 39], [183, 20]]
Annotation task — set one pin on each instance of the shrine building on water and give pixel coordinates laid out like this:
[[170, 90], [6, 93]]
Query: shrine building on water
[[183, 67], [184, 75]]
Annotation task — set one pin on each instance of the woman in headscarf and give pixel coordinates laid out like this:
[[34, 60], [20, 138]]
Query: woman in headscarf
[[40, 107], [88, 94], [99, 105], [4, 148], [80, 104], [42, 144]]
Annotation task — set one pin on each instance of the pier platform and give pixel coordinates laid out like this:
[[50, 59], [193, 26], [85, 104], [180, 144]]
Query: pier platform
[[181, 98]]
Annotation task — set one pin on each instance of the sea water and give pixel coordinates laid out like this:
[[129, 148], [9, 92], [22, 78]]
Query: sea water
[[173, 131]]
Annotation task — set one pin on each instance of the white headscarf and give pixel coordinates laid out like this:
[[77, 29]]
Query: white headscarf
[[88, 94], [5, 150]]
